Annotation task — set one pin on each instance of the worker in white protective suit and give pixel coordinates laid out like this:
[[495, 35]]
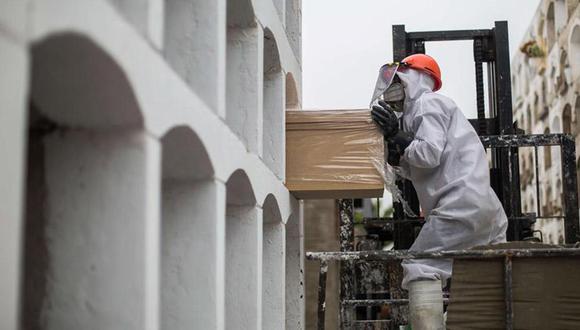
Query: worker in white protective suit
[[440, 152]]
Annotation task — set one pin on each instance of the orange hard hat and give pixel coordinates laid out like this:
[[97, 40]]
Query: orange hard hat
[[426, 64]]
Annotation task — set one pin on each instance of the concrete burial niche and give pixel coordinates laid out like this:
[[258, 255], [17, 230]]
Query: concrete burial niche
[[274, 106], [90, 249], [244, 74], [193, 46], [243, 254], [273, 265], [192, 238]]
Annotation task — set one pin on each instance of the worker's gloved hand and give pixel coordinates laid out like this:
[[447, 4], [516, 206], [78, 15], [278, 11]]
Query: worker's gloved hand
[[396, 146], [384, 116]]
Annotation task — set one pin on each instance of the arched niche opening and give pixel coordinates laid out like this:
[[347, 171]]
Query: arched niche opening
[[193, 46], [550, 26], [274, 105], [574, 50], [90, 260], [244, 75], [192, 233], [273, 265], [243, 254], [567, 119]]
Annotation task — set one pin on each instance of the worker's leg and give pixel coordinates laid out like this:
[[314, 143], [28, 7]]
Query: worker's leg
[[440, 234], [426, 305], [499, 234]]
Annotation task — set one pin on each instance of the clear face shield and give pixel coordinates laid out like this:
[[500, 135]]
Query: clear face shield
[[389, 87]]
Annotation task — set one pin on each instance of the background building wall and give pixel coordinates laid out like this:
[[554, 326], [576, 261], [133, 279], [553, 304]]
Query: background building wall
[[141, 181], [545, 95]]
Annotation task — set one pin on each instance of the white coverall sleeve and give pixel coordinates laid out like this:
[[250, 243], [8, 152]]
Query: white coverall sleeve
[[430, 128]]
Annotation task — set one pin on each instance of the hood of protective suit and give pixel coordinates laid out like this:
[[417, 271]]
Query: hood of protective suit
[[416, 83]]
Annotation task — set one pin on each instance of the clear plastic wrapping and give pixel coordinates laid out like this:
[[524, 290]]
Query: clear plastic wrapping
[[337, 153], [334, 146]]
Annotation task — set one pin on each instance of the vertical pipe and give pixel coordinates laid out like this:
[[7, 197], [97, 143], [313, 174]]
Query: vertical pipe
[[399, 43], [322, 294], [508, 289], [538, 200], [346, 235], [516, 204], [503, 77], [477, 54], [570, 188]]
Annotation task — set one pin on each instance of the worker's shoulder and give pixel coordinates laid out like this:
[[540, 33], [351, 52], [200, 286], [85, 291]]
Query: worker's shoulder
[[438, 99], [432, 101]]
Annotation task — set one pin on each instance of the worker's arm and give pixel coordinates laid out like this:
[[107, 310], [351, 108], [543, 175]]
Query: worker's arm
[[430, 127], [396, 139]]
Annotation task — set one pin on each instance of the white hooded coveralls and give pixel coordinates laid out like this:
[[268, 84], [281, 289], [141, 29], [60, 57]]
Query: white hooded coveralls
[[449, 169]]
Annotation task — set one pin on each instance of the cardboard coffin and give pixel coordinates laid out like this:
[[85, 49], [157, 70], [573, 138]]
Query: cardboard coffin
[[333, 154], [546, 292]]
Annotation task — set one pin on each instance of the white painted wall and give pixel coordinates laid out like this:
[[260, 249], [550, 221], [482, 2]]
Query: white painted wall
[[193, 255], [13, 90], [273, 267], [145, 15], [274, 107], [243, 267], [244, 85], [274, 130], [194, 47], [100, 235], [192, 236], [294, 25], [125, 214]]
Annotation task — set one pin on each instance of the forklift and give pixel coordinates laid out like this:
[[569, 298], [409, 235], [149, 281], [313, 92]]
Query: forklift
[[370, 277]]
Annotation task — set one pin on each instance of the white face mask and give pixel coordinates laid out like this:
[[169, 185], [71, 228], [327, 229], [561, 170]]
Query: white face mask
[[395, 95]]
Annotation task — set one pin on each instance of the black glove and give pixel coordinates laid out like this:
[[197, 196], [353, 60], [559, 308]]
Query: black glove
[[384, 116], [396, 146]]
